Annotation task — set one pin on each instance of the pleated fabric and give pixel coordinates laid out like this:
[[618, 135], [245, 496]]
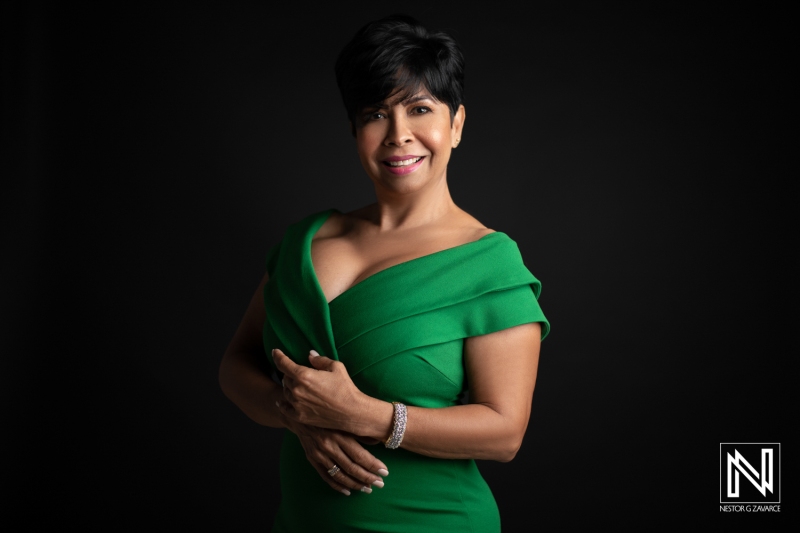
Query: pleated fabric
[[400, 333]]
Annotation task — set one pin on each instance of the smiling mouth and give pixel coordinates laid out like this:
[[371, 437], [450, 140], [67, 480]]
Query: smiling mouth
[[403, 163]]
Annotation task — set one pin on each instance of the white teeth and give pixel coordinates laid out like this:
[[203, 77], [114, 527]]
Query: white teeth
[[404, 162]]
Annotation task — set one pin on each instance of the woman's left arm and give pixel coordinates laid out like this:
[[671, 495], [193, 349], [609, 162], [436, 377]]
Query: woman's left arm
[[501, 372]]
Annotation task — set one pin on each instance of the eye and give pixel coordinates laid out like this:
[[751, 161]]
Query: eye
[[421, 110], [374, 115]]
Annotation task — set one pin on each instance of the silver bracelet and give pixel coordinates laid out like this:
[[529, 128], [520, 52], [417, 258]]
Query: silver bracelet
[[398, 426]]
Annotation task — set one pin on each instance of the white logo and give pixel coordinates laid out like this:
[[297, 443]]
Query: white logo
[[766, 477], [739, 469]]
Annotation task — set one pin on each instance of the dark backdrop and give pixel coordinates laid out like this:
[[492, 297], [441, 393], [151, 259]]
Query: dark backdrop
[[152, 155]]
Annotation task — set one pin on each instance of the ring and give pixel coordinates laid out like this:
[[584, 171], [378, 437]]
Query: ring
[[333, 470]]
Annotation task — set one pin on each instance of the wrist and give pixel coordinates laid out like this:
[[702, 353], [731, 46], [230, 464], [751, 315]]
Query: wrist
[[398, 426], [274, 396], [375, 419]]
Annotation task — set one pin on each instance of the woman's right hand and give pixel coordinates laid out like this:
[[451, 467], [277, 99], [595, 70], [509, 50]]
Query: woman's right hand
[[358, 469]]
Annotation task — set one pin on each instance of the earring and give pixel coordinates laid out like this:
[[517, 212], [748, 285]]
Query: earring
[[457, 141]]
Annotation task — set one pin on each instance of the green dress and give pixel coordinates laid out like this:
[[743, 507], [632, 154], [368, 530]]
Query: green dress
[[400, 333]]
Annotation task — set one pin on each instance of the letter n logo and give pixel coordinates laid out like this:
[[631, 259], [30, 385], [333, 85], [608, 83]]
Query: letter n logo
[[749, 473]]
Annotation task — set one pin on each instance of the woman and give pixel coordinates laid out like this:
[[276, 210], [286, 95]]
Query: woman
[[374, 322]]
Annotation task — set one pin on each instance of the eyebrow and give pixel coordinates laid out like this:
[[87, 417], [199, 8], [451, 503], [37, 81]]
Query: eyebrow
[[415, 99]]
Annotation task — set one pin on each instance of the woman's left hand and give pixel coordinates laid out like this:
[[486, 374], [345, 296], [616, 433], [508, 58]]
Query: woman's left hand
[[322, 396]]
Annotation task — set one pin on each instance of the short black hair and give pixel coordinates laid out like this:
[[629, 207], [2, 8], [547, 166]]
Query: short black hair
[[394, 57]]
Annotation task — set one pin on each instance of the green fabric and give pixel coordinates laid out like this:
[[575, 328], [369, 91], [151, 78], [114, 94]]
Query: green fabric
[[400, 333]]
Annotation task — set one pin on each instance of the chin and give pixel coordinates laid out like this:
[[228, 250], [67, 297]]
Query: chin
[[402, 185]]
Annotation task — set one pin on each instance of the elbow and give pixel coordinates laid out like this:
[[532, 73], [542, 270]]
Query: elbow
[[509, 449], [510, 442], [508, 435]]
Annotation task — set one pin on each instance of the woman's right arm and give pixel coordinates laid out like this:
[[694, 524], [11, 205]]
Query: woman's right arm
[[245, 382], [241, 377]]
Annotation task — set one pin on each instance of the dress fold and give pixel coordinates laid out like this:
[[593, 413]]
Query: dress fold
[[296, 306], [400, 333]]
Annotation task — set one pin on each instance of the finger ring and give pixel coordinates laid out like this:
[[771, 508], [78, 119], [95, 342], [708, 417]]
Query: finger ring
[[333, 470]]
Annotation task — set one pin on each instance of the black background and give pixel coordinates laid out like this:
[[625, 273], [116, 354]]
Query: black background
[[151, 155]]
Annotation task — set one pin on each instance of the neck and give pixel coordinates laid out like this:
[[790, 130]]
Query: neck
[[396, 210]]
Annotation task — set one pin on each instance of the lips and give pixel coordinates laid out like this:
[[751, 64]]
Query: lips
[[402, 164]]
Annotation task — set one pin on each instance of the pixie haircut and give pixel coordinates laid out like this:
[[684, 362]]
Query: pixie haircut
[[395, 57]]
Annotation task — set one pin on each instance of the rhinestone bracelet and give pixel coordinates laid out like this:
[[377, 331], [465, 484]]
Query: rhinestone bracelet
[[398, 426]]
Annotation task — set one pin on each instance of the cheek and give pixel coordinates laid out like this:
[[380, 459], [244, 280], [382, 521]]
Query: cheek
[[438, 140], [364, 148], [438, 136]]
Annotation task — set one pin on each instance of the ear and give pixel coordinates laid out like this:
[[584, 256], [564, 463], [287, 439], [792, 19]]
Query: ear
[[458, 125]]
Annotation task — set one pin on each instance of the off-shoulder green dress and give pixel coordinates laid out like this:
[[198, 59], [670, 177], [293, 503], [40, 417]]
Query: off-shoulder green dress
[[400, 333]]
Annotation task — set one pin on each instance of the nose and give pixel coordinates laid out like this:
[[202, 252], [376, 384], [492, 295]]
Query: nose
[[399, 132]]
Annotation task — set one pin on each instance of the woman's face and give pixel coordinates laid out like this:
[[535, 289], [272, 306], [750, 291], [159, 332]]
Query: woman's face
[[404, 145]]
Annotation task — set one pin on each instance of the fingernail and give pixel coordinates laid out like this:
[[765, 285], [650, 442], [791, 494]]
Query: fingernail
[[345, 492], [273, 352], [278, 404], [314, 353], [366, 489], [378, 483], [383, 472]]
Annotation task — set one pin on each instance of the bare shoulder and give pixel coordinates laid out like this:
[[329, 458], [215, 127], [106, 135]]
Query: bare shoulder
[[342, 224], [470, 227], [335, 226]]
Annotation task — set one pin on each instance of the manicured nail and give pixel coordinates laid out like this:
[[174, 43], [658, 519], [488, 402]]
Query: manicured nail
[[314, 353], [345, 492], [378, 483], [383, 472], [366, 489]]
